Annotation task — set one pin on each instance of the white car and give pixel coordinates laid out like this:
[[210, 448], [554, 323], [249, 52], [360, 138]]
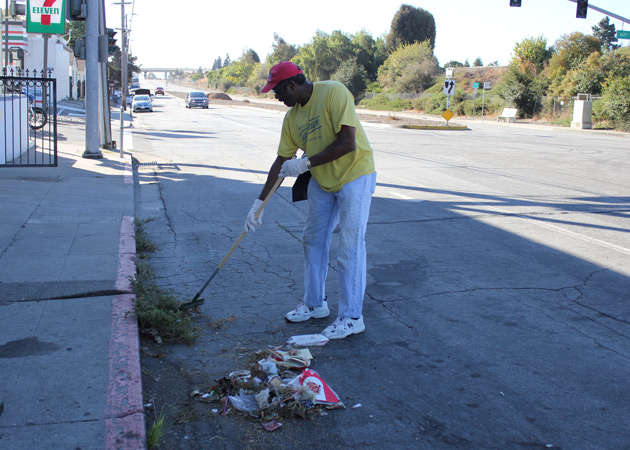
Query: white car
[[142, 103]]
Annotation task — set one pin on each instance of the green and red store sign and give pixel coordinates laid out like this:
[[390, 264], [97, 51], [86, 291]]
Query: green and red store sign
[[46, 16]]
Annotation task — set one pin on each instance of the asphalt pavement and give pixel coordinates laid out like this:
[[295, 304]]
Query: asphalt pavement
[[69, 351], [69, 356]]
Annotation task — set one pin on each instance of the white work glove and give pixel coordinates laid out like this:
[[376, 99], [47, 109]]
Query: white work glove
[[252, 222], [294, 167]]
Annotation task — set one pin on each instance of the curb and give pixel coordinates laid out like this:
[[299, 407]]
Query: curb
[[124, 414]]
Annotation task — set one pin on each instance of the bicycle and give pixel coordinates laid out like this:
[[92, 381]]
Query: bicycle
[[37, 117]]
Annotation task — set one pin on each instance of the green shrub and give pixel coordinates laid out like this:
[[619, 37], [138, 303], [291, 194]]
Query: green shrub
[[383, 102], [616, 99]]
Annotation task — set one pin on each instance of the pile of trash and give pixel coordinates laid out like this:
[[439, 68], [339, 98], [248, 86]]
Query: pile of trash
[[279, 384]]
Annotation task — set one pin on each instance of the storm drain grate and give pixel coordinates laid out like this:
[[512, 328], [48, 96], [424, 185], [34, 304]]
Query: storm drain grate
[[148, 164], [158, 165]]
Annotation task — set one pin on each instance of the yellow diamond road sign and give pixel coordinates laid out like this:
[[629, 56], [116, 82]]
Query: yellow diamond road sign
[[448, 115]]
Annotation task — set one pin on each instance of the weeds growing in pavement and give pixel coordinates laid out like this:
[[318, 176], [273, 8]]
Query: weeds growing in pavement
[[158, 310], [156, 432], [142, 243]]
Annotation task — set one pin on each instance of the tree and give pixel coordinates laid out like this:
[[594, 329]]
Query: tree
[[616, 99], [227, 61], [522, 89], [113, 68], [370, 53], [410, 68], [323, 55], [216, 65], [606, 33], [250, 56], [198, 74], [533, 52], [573, 49], [77, 28], [280, 51], [453, 63], [616, 63], [410, 25], [478, 62], [353, 76]]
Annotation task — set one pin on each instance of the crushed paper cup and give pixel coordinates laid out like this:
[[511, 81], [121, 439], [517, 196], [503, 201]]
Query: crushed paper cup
[[307, 340]]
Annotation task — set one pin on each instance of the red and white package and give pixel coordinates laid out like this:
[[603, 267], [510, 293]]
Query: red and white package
[[323, 393]]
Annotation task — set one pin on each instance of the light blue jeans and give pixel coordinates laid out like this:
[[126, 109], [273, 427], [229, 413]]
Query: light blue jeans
[[349, 208]]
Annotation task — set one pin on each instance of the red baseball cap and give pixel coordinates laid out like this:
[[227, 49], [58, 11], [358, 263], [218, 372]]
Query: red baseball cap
[[279, 72]]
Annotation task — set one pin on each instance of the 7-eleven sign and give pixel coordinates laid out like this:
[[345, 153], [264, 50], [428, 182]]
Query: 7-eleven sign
[[46, 16]]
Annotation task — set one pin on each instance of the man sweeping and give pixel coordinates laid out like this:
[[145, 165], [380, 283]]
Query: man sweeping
[[323, 123]]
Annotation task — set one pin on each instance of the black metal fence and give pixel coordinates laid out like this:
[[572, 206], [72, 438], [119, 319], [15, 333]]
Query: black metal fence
[[28, 122]]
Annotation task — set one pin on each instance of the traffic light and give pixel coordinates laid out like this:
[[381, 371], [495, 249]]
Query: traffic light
[[79, 48], [582, 7], [76, 10], [515, 3], [111, 42], [17, 9]]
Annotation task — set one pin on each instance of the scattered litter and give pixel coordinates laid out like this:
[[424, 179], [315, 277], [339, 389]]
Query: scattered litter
[[262, 399], [549, 445], [358, 405], [292, 359], [271, 425], [279, 383], [244, 403], [268, 366], [323, 394], [307, 340]]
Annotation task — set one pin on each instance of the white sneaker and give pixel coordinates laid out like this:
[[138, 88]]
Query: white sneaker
[[303, 312], [343, 327]]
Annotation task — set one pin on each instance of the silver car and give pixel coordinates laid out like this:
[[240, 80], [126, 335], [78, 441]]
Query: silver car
[[142, 103]]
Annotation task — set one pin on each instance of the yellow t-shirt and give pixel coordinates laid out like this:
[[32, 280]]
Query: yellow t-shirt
[[314, 126]]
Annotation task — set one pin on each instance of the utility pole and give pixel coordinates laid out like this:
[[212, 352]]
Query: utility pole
[[123, 71], [105, 119], [92, 149]]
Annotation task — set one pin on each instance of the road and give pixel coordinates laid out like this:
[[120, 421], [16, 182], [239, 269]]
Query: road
[[497, 307]]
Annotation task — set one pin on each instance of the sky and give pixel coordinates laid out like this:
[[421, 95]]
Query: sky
[[193, 33]]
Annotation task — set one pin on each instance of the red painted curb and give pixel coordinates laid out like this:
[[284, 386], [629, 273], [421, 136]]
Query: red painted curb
[[124, 417]]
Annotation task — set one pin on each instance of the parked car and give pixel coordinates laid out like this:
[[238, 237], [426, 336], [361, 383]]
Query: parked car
[[196, 99], [159, 91], [142, 102]]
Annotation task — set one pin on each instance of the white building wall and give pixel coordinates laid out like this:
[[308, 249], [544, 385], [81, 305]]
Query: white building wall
[[58, 61]]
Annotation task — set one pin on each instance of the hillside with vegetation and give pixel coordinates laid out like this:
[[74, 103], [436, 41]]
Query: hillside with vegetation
[[399, 71]]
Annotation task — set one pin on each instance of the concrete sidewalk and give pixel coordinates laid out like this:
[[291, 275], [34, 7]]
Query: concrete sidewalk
[[69, 356]]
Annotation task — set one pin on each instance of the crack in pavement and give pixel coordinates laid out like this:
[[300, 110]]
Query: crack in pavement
[[384, 304]]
